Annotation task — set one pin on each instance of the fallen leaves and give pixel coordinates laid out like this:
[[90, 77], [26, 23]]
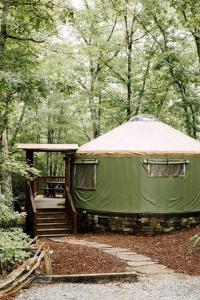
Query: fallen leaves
[[74, 259], [173, 250]]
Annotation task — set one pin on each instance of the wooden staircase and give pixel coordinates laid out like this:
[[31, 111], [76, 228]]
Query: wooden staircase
[[47, 216], [52, 222]]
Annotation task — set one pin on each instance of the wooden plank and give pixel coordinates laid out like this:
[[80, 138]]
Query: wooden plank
[[48, 147], [44, 202]]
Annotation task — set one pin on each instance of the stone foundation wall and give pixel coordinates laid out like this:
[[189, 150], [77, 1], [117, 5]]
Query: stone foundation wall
[[135, 225]]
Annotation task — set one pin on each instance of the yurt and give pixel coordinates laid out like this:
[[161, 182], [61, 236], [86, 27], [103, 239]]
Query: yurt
[[141, 176]]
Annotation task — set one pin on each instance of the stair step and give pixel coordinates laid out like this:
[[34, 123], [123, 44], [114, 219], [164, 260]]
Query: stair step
[[51, 212], [50, 225], [50, 209], [53, 235], [52, 220], [46, 231], [53, 215]]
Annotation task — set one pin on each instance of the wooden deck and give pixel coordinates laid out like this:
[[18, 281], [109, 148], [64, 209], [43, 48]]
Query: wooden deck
[[50, 216], [42, 202]]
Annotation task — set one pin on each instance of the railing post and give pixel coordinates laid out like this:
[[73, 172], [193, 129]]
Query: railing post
[[32, 216], [67, 159]]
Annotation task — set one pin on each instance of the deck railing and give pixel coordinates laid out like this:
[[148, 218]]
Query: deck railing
[[71, 210], [40, 183], [31, 209], [37, 187]]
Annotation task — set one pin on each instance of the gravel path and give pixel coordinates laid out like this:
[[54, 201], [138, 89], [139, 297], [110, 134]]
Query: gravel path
[[146, 289]]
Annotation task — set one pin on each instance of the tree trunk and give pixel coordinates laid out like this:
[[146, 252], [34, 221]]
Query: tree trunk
[[129, 89], [93, 110], [129, 45], [6, 176], [197, 41], [194, 123], [18, 125], [3, 29]]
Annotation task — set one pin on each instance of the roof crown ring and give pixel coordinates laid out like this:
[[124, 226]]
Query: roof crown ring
[[143, 118]]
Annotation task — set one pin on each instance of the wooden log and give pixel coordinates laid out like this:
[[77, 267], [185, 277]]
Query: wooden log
[[16, 284], [47, 261], [30, 248], [1, 268], [32, 241], [19, 287], [24, 267]]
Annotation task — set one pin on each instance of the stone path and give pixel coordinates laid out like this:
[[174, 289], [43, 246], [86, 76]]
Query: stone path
[[141, 264]]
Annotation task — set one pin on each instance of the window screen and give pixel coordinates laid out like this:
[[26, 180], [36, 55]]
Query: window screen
[[166, 168], [85, 175]]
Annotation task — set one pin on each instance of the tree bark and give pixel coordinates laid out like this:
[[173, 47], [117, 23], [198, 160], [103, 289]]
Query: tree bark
[[93, 110], [6, 176], [18, 125], [3, 29], [129, 44]]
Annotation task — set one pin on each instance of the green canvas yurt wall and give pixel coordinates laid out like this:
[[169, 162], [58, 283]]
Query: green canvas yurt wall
[[142, 166], [123, 186]]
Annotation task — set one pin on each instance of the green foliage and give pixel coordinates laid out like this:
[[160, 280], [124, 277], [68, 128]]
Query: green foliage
[[59, 90], [8, 218], [196, 240], [12, 238], [15, 165], [11, 243]]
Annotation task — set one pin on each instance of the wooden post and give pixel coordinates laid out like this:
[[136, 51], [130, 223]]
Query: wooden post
[[29, 229], [47, 260], [29, 157], [29, 160], [67, 170]]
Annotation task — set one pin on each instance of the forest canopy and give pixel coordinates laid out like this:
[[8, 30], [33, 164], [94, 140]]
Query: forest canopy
[[69, 73]]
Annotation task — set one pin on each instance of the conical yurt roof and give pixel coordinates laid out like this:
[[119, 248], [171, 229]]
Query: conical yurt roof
[[142, 136]]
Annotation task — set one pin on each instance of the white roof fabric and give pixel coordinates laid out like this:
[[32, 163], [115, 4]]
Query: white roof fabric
[[142, 138]]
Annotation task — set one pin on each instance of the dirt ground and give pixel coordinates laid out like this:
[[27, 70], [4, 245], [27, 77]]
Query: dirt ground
[[174, 250], [74, 259]]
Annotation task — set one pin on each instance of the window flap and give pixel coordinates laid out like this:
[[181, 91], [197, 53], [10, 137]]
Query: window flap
[[165, 161], [87, 161], [85, 176]]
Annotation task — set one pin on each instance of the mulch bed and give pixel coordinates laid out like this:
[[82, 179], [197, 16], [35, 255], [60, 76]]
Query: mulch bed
[[174, 250], [74, 259]]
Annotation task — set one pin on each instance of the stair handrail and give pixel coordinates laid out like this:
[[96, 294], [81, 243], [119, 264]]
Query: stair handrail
[[69, 204], [32, 215]]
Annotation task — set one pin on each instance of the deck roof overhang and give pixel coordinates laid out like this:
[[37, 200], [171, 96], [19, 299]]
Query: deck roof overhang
[[63, 148]]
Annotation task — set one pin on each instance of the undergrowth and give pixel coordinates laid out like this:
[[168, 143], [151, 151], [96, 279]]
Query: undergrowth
[[12, 238]]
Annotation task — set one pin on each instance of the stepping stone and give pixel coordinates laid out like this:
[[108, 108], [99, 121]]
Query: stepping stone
[[127, 253], [154, 269], [122, 250], [134, 257], [167, 276], [75, 242], [103, 246], [116, 251], [137, 262], [139, 257], [140, 263]]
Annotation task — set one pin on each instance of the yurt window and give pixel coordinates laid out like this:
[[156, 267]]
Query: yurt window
[[85, 174], [166, 167]]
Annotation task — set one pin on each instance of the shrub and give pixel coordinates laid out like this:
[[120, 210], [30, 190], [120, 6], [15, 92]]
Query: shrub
[[196, 239], [9, 218], [12, 242]]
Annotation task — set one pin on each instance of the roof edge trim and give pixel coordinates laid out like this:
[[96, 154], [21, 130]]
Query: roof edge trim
[[146, 154]]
